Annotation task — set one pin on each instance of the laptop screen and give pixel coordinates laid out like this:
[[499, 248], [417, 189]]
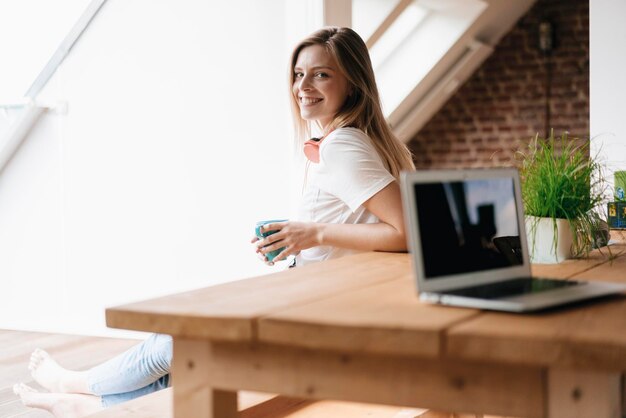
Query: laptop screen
[[467, 226]]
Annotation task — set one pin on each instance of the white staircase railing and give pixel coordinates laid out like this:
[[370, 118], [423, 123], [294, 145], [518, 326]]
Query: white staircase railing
[[31, 109], [18, 130]]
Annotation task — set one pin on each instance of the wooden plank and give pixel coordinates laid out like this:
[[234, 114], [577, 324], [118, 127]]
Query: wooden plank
[[223, 402], [227, 311], [80, 351], [275, 406], [574, 267], [384, 318], [154, 405], [587, 336], [33, 413], [574, 394], [260, 405], [336, 409], [13, 408], [161, 405], [567, 268], [72, 351], [390, 380], [623, 393], [610, 271], [438, 414]]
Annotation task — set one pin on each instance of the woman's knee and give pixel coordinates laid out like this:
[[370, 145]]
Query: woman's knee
[[159, 352]]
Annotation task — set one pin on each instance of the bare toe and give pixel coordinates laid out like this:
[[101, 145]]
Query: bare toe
[[36, 358], [17, 388], [21, 388], [41, 354], [46, 371]]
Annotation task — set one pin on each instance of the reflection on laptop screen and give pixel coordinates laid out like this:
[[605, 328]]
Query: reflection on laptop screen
[[467, 226]]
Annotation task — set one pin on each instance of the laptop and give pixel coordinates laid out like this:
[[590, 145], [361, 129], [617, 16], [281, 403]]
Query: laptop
[[468, 243]]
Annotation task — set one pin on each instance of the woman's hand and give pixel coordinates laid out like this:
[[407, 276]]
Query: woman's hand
[[293, 236], [262, 257]]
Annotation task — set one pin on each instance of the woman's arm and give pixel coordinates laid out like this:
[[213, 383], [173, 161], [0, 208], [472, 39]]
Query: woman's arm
[[387, 235]]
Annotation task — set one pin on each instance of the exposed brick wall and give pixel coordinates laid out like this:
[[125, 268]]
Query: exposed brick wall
[[503, 104]]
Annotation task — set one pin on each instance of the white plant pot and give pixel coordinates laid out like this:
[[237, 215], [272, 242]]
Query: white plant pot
[[541, 236]]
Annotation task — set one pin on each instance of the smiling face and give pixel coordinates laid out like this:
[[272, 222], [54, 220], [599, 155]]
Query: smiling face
[[319, 87]]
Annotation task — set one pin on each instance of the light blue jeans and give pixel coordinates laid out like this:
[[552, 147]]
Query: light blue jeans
[[138, 371]]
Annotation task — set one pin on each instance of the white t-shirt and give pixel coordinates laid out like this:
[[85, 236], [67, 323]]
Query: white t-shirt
[[350, 172]]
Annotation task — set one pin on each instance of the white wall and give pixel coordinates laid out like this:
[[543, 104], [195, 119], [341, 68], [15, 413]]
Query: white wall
[[31, 30], [608, 83], [177, 139]]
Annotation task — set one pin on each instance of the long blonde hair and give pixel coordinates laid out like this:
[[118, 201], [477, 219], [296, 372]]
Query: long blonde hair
[[362, 109]]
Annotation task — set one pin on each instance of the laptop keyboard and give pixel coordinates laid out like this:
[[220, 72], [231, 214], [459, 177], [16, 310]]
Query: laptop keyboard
[[513, 287]]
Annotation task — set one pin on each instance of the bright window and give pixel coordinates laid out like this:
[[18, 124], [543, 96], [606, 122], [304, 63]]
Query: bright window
[[422, 34]]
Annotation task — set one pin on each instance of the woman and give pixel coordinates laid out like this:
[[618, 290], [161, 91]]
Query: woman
[[351, 203], [351, 199]]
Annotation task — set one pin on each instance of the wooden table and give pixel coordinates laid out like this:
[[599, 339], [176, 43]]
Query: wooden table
[[353, 329]]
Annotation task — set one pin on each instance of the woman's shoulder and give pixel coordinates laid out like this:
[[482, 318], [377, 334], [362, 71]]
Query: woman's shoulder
[[348, 136], [348, 133], [345, 144]]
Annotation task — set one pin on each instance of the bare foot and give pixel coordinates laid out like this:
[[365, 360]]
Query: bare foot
[[55, 378], [61, 405]]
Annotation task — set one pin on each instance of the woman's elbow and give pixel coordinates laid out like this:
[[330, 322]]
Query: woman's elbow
[[401, 242], [390, 238], [396, 243]]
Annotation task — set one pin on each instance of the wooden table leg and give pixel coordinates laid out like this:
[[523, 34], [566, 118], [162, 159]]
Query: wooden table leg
[[573, 394], [193, 396], [623, 394]]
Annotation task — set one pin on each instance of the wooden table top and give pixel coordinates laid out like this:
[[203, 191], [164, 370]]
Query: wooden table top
[[368, 303], [588, 335]]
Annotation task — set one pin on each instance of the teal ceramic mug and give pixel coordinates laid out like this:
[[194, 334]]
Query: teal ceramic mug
[[260, 235]]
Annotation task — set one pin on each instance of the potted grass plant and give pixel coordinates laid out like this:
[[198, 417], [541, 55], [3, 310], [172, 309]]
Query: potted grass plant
[[562, 190]]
